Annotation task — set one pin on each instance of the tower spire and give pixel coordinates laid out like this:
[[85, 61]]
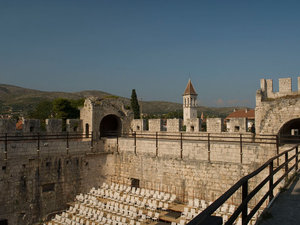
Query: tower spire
[[190, 90]]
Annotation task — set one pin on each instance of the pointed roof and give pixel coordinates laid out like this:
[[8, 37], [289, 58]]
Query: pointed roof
[[189, 90]]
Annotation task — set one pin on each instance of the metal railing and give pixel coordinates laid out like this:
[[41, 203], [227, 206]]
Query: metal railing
[[207, 138], [39, 137], [243, 184]]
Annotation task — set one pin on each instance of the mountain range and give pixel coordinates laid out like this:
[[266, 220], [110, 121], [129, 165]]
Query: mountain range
[[18, 100]]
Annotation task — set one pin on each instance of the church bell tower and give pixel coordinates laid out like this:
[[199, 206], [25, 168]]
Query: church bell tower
[[189, 103]]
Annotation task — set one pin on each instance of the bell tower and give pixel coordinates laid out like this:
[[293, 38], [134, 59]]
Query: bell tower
[[189, 103]]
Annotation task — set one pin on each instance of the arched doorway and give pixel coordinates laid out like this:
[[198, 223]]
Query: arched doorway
[[290, 132], [110, 126]]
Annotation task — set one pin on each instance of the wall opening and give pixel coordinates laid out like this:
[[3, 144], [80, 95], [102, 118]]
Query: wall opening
[[87, 130], [48, 187], [192, 128], [289, 132], [135, 183], [110, 126]]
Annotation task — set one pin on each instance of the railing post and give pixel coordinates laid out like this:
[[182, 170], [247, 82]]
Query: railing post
[[296, 166], [67, 142], [38, 144], [277, 148], [271, 195], [118, 144], [286, 168], [156, 139], [92, 141], [5, 149], [134, 136], [241, 148], [244, 196], [181, 146], [208, 147]]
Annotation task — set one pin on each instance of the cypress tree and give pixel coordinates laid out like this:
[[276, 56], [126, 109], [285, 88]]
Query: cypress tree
[[135, 105]]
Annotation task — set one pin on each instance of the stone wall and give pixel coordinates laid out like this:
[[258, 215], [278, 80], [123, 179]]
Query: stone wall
[[95, 110], [193, 125], [155, 125], [7, 126], [31, 126], [237, 125], [174, 125], [214, 125], [138, 125], [193, 175], [274, 109], [54, 125], [34, 185], [74, 125]]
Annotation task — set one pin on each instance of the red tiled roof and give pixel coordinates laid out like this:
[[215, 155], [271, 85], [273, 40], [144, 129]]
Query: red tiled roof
[[242, 113], [189, 90], [19, 125]]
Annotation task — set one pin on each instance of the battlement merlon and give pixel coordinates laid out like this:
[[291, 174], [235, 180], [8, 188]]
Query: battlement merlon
[[267, 92]]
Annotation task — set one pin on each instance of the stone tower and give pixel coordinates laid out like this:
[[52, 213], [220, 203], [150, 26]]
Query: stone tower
[[189, 103]]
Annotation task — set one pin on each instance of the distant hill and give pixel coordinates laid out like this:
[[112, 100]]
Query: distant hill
[[20, 100]]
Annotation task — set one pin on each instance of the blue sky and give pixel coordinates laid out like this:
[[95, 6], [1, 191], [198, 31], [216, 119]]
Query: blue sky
[[225, 47]]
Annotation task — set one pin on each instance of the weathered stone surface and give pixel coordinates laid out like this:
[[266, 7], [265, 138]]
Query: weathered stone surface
[[138, 125], [95, 112], [174, 125], [7, 126], [74, 125], [54, 125], [237, 125], [31, 126], [155, 125], [214, 125], [274, 109]]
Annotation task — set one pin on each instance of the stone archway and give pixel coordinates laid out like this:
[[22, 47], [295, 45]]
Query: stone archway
[[290, 132], [110, 126]]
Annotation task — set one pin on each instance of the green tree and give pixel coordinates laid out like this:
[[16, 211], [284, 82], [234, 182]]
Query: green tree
[[42, 111], [63, 109], [135, 105]]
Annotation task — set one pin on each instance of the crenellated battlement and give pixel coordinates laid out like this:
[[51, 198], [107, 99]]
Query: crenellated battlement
[[267, 92], [34, 126]]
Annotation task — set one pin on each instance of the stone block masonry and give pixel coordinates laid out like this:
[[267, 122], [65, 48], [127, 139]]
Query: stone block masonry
[[214, 125], [54, 125], [34, 185], [193, 175], [7, 126], [155, 125], [275, 109]]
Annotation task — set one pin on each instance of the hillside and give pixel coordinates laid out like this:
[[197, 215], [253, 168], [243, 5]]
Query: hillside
[[20, 101]]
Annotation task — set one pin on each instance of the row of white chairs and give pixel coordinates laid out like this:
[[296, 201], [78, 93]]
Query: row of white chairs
[[118, 208], [190, 213], [196, 203], [152, 204], [142, 192], [181, 222], [81, 214]]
